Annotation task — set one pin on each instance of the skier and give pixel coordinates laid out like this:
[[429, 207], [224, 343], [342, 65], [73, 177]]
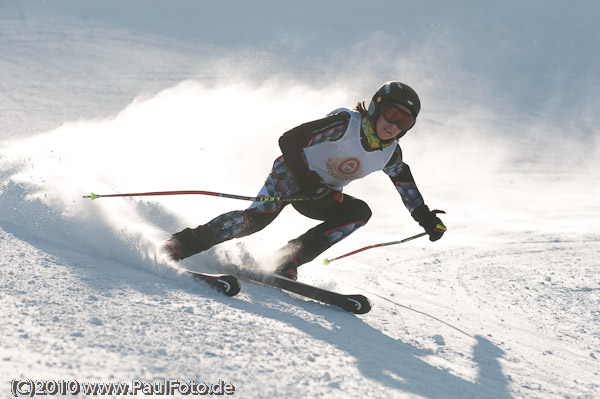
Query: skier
[[319, 159]]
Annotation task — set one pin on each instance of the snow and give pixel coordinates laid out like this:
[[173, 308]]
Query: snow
[[110, 97]]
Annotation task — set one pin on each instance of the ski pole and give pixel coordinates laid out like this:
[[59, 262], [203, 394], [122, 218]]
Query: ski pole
[[328, 261], [222, 195]]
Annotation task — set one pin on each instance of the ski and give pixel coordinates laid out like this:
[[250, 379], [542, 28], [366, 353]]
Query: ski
[[225, 283], [230, 286], [357, 304]]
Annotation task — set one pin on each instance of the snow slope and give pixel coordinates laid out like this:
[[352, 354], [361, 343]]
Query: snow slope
[[110, 97]]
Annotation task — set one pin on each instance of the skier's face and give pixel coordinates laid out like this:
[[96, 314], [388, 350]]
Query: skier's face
[[393, 119]]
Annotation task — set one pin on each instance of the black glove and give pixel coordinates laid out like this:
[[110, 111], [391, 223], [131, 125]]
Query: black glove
[[321, 196], [431, 223]]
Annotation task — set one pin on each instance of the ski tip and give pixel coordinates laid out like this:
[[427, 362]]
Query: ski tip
[[359, 304], [326, 262], [92, 196], [231, 286]]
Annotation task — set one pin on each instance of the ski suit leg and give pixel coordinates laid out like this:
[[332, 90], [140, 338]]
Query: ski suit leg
[[339, 221], [236, 224]]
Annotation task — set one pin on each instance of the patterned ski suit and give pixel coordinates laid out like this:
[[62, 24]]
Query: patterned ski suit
[[333, 151]]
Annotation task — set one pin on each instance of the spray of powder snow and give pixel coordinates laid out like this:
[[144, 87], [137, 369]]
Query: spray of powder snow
[[189, 137]]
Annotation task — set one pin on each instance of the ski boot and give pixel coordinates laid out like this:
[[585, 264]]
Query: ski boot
[[288, 269], [171, 250], [188, 242]]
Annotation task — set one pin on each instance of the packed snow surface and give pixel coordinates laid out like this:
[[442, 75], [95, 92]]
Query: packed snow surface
[[117, 97]]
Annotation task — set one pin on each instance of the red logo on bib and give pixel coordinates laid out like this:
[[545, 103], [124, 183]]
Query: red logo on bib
[[344, 168], [349, 166]]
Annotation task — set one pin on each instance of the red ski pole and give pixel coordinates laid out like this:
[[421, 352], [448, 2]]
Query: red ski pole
[[328, 261], [211, 193]]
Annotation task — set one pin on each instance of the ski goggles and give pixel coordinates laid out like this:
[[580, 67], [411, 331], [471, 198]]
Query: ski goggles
[[393, 114]]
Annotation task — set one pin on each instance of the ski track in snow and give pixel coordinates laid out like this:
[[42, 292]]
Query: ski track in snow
[[506, 305]]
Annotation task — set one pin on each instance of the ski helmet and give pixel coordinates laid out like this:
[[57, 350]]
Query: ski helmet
[[396, 92]]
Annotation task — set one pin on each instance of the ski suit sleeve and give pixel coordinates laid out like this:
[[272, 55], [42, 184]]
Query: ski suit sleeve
[[293, 143], [403, 180]]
